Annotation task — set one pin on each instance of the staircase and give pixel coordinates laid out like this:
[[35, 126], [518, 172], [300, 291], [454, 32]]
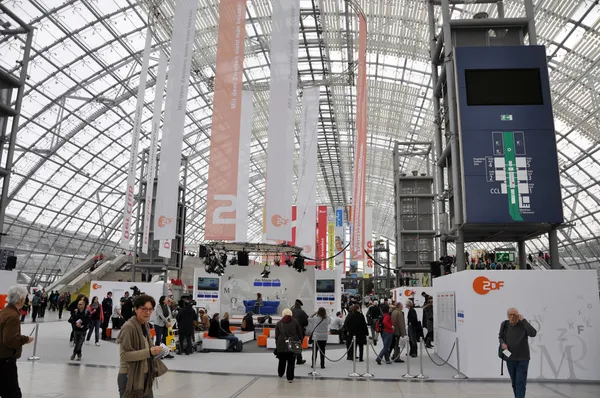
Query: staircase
[[80, 275]]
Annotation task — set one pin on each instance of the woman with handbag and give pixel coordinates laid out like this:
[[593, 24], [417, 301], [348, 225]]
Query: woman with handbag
[[138, 368], [288, 338], [318, 324]]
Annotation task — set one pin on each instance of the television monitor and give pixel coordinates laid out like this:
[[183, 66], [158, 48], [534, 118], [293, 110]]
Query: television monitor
[[325, 285], [488, 87], [208, 284]]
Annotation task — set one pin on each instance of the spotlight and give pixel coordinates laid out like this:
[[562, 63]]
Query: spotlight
[[299, 264], [288, 260], [277, 262], [233, 261]]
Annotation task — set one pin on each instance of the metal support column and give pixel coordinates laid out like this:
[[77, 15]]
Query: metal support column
[[553, 244], [139, 210], [531, 30], [396, 165], [12, 139], [522, 255]]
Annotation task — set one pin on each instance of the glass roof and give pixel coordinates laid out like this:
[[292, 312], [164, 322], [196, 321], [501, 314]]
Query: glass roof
[[74, 138]]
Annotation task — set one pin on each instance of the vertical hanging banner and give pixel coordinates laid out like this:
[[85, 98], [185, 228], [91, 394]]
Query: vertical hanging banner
[[158, 99], [307, 172], [282, 110], [222, 202], [164, 250], [331, 245], [340, 239], [321, 237], [357, 239], [368, 263], [243, 177], [167, 192], [135, 140]]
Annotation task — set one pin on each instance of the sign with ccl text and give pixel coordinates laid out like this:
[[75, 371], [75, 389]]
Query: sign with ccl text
[[510, 165]]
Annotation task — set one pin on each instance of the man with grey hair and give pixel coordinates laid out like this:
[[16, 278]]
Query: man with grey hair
[[513, 337], [11, 342]]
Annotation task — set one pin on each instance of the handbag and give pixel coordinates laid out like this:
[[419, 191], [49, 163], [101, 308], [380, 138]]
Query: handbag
[[500, 354], [160, 368], [293, 346]]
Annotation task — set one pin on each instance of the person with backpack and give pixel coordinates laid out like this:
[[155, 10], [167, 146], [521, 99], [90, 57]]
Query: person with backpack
[[385, 326], [373, 315], [302, 318], [36, 306]]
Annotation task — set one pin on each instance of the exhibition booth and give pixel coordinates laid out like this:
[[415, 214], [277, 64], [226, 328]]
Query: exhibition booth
[[118, 289], [236, 290], [563, 306]]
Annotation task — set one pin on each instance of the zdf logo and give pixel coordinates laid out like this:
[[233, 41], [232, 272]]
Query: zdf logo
[[278, 221], [483, 285], [163, 221]]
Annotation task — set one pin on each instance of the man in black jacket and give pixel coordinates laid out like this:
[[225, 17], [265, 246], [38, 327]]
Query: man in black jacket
[[107, 308], [413, 328], [513, 337], [302, 318]]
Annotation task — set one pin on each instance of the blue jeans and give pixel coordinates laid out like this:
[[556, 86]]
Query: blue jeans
[[387, 339], [232, 340], [518, 375]]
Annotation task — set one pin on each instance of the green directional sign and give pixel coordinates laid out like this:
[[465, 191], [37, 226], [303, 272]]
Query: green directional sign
[[506, 118], [502, 257]]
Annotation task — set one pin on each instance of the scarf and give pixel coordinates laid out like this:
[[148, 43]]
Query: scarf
[[132, 339]]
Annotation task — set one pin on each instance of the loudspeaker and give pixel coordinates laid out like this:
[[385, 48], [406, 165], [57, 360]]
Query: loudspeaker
[[203, 252], [243, 258], [435, 269], [11, 263]]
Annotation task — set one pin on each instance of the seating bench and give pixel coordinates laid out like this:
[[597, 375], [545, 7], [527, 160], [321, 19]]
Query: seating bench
[[271, 343], [333, 339], [212, 343], [244, 336]]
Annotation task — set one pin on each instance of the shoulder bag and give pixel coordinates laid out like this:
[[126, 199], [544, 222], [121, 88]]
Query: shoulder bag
[[293, 346], [500, 354]]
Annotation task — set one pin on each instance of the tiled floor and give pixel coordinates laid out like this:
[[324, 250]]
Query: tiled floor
[[70, 381]]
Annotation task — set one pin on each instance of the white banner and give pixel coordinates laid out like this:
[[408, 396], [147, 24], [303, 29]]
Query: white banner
[[182, 43], [158, 100], [135, 140], [307, 173], [282, 115], [368, 263], [164, 249], [241, 227]]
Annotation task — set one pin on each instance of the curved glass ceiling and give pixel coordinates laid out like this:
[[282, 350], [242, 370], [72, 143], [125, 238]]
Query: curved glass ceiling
[[74, 138]]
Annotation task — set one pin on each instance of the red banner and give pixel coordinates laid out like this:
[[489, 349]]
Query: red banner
[[321, 236], [357, 238], [222, 187]]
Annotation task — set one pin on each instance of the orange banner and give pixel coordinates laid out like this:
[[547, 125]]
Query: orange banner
[[357, 239], [225, 132]]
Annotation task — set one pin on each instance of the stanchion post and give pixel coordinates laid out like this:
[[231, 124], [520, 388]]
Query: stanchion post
[[35, 341], [421, 376], [314, 360], [354, 374], [368, 374], [408, 375], [459, 375]]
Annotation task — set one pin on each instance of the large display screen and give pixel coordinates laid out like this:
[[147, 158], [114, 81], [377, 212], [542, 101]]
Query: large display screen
[[504, 87], [325, 285], [208, 284]]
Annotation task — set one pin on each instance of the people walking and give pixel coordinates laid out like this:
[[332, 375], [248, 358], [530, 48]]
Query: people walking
[[513, 338], [11, 342], [138, 369], [287, 329], [96, 319], [356, 326], [385, 327], [80, 322], [319, 325], [25, 309], [43, 305], [61, 304], [186, 318], [413, 328], [36, 304], [399, 332], [428, 321], [107, 309], [373, 315], [302, 318]]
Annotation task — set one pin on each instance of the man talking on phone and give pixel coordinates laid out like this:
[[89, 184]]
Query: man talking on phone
[[514, 341]]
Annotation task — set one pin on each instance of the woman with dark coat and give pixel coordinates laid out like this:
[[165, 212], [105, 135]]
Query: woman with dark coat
[[428, 322], [248, 322], [286, 328], [356, 326], [185, 323]]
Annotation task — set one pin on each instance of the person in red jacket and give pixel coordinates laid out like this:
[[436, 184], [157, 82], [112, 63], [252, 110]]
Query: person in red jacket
[[386, 328]]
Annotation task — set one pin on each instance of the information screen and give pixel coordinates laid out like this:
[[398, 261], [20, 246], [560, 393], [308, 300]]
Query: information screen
[[325, 285], [208, 284], [486, 87]]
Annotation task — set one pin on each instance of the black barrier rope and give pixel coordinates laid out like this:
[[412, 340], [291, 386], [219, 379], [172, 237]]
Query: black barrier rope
[[332, 360], [404, 345], [324, 259], [446, 361]]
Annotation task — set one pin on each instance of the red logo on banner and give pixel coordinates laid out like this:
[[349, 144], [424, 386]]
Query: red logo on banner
[[278, 221], [167, 244], [163, 221], [483, 285], [96, 286], [308, 248]]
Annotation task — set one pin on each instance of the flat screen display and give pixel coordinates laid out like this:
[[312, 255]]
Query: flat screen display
[[487, 87], [208, 284], [325, 285]]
